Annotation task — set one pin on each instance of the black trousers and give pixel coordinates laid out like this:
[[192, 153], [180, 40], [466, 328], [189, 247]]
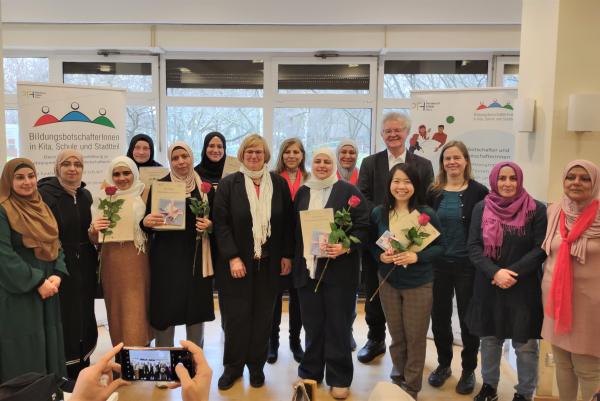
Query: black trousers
[[294, 312], [327, 317], [373, 310], [247, 323], [453, 277]]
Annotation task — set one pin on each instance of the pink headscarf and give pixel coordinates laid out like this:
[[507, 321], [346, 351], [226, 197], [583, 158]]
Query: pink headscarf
[[501, 214]]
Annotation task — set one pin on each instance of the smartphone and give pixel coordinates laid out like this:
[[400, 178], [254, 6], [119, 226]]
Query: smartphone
[[154, 364]]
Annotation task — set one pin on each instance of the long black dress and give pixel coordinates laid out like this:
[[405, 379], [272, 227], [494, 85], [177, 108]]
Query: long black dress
[[77, 290], [176, 295]]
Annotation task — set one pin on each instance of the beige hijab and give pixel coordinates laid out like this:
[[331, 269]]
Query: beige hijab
[[192, 181], [572, 211], [62, 156], [30, 216]]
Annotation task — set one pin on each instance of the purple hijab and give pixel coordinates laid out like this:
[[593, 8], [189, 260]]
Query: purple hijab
[[504, 214]]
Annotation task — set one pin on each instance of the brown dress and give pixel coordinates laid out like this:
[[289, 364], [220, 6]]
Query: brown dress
[[583, 338], [126, 285]]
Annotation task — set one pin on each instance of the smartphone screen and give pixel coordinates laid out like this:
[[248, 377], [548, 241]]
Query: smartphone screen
[[154, 364]]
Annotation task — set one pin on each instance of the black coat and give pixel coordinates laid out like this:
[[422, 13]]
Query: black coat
[[177, 296], [233, 230], [77, 290], [515, 312], [343, 270], [374, 172]]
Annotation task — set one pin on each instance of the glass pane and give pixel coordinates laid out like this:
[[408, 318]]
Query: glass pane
[[135, 77], [322, 127], [403, 76], [141, 120], [12, 133], [511, 75], [323, 79], [191, 124], [24, 69], [215, 78]]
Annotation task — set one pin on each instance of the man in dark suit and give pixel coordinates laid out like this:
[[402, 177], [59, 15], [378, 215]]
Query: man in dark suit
[[372, 181]]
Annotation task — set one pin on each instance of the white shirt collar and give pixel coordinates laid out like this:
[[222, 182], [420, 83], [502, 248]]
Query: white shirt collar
[[392, 161]]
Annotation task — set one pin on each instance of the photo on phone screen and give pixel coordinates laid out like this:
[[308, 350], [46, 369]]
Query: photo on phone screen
[[154, 364]]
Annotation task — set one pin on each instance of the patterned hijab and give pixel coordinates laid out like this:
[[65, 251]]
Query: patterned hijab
[[63, 156], [504, 214], [29, 216]]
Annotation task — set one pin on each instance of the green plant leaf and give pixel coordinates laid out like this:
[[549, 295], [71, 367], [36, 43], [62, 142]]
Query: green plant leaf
[[418, 241], [346, 243], [354, 239]]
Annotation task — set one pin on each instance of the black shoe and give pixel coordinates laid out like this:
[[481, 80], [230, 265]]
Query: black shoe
[[487, 393], [227, 380], [438, 377], [352, 343], [297, 350], [257, 378], [466, 383], [272, 352], [371, 350], [519, 397]]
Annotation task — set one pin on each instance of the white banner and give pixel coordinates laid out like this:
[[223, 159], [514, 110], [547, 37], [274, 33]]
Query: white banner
[[481, 118], [87, 119]]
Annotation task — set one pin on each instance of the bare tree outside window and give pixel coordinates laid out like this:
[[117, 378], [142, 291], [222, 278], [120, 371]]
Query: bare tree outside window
[[23, 69]]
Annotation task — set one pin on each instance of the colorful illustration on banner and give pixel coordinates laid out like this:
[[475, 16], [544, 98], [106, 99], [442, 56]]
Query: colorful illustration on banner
[[73, 116]]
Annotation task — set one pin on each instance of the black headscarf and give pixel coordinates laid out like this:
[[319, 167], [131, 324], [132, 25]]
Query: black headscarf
[[207, 169], [143, 137]]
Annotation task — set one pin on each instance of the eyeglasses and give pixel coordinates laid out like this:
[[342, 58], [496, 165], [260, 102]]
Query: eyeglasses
[[394, 131], [124, 174], [69, 165], [254, 152]]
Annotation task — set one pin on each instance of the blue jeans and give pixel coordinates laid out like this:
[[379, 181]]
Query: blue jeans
[[527, 363]]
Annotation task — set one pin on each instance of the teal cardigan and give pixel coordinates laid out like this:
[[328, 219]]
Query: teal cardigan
[[417, 274]]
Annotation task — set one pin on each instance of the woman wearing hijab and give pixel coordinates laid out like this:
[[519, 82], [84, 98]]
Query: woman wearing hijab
[[505, 238], [253, 218], [31, 268], [210, 168], [70, 204], [347, 155], [328, 312], [290, 165], [572, 281], [179, 292], [125, 269], [141, 151]]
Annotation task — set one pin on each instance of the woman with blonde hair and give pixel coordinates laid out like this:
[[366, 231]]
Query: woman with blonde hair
[[290, 165], [125, 269], [253, 215], [453, 196]]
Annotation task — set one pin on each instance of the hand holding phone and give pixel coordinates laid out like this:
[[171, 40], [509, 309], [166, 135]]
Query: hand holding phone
[[194, 387], [154, 364]]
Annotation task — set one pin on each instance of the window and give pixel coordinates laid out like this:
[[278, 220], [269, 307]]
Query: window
[[23, 69], [318, 127], [135, 77], [323, 78], [141, 120], [215, 78], [191, 124], [510, 76], [11, 118], [402, 76]]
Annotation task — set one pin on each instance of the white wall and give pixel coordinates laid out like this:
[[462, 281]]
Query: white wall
[[265, 11]]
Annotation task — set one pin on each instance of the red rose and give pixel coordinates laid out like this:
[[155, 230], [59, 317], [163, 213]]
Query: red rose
[[110, 190], [424, 219], [205, 187], [354, 201]]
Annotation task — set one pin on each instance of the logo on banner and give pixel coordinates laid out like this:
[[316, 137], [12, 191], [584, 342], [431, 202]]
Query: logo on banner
[[425, 106], [73, 115], [494, 111]]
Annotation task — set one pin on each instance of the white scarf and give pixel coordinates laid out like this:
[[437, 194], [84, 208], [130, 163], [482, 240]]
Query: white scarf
[[135, 191], [319, 195], [260, 209]]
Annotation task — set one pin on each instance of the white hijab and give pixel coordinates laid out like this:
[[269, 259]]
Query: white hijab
[[135, 191], [260, 208], [320, 189]]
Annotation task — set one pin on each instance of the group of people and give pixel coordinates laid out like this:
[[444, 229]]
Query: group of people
[[519, 270], [152, 371]]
